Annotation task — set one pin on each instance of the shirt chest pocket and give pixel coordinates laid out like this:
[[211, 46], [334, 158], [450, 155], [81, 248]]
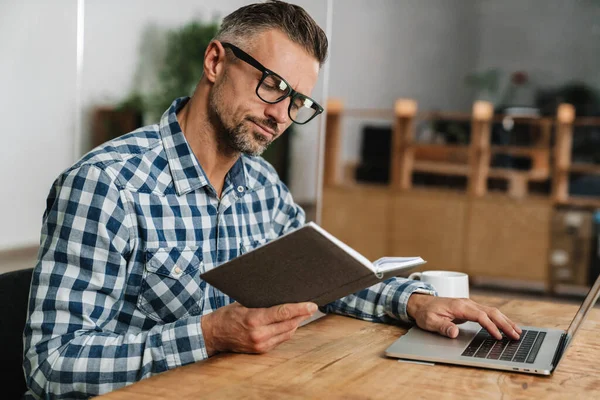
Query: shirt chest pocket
[[171, 286]]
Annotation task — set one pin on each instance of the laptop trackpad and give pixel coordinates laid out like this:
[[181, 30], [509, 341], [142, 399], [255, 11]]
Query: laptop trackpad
[[466, 332]]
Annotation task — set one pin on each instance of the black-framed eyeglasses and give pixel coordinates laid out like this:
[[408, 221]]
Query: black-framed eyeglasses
[[272, 89]]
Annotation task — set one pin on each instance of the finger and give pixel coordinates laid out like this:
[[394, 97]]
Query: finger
[[486, 322], [514, 325], [438, 322], [276, 341], [447, 328], [501, 321], [474, 312], [285, 312], [284, 326]]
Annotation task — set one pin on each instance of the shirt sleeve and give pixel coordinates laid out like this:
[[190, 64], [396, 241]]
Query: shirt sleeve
[[384, 302], [288, 215], [78, 286]]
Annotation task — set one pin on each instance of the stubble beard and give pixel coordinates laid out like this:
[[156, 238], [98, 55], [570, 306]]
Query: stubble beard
[[238, 138]]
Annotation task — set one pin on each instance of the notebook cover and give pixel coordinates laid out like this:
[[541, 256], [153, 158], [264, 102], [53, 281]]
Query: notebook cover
[[301, 266]]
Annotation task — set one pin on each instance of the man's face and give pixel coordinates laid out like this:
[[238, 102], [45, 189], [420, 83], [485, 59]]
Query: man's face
[[248, 124]]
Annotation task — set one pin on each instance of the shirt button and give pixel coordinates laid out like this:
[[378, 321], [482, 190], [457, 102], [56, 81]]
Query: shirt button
[[240, 189], [177, 270]]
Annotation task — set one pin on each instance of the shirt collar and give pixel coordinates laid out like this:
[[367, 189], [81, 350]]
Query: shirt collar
[[186, 171]]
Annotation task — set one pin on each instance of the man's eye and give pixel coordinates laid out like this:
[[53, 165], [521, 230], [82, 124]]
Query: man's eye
[[269, 86]]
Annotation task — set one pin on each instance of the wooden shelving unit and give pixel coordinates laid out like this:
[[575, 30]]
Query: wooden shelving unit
[[485, 233], [472, 161], [563, 164]]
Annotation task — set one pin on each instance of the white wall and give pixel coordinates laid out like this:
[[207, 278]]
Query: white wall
[[554, 41], [37, 105]]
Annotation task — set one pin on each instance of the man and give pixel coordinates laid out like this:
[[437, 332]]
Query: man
[[116, 295]]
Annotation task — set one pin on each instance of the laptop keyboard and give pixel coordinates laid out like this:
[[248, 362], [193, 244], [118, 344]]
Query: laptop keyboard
[[523, 350]]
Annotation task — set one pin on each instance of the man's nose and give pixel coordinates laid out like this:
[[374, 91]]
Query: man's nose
[[278, 111]]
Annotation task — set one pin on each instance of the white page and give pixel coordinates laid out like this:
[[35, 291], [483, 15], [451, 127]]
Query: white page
[[386, 264], [380, 266], [364, 260]]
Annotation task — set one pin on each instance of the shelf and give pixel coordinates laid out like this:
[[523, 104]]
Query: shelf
[[443, 150], [467, 117], [524, 119], [580, 201], [463, 170], [507, 173], [441, 168], [583, 168], [586, 121], [448, 154], [519, 150], [440, 147]]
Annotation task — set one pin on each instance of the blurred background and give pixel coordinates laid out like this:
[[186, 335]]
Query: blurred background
[[465, 132]]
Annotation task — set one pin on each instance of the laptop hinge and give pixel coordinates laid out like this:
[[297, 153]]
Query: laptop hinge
[[559, 350]]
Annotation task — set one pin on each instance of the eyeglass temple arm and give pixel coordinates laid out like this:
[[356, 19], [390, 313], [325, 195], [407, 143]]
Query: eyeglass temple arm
[[242, 55]]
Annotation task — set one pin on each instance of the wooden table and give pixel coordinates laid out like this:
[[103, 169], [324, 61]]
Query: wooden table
[[342, 358]]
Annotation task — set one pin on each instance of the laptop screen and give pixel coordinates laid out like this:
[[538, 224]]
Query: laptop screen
[[587, 305]]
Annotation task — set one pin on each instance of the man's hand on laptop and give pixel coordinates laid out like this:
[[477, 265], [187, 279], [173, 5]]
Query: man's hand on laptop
[[238, 329], [441, 314]]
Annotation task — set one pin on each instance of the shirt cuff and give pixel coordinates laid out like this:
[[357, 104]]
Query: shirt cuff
[[401, 292], [183, 342]]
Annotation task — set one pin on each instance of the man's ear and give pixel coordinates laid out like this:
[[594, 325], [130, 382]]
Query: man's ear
[[214, 58]]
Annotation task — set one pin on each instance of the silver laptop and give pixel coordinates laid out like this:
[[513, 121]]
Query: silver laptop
[[538, 351]]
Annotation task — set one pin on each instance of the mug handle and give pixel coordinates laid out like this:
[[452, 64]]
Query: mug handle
[[415, 276]]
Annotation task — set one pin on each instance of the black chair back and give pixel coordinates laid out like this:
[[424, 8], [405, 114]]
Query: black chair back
[[14, 295]]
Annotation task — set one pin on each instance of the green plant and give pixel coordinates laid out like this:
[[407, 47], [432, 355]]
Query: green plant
[[488, 81], [181, 67]]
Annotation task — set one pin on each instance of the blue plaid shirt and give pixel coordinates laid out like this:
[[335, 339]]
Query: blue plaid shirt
[[116, 294]]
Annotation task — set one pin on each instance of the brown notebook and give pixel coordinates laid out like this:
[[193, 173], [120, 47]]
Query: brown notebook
[[307, 264]]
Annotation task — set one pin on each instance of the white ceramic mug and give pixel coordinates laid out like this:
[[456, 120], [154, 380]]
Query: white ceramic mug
[[446, 283]]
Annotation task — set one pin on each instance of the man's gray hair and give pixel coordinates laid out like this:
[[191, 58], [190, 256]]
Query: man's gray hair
[[242, 25]]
